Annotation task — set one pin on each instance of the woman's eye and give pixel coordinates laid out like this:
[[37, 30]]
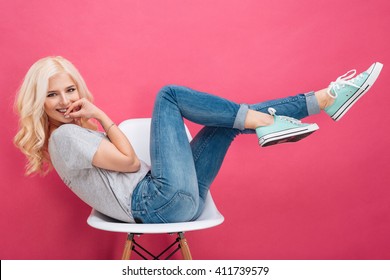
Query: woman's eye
[[51, 94], [71, 90]]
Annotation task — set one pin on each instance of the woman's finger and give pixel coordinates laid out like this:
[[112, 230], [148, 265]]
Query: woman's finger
[[75, 114], [73, 105]]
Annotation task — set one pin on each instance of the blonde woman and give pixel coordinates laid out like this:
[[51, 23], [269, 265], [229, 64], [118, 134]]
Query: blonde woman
[[55, 129]]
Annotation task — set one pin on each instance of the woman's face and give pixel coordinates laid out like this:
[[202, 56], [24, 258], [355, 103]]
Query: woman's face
[[62, 92]]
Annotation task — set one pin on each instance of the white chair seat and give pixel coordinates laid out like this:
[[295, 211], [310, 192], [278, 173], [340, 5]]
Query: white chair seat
[[138, 132], [210, 217]]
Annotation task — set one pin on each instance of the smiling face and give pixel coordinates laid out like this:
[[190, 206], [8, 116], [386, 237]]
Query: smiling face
[[62, 92]]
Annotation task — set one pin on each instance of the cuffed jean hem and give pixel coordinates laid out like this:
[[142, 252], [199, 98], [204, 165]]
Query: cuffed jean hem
[[312, 104], [239, 122]]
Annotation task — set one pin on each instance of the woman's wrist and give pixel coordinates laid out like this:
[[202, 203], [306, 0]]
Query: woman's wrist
[[100, 116], [104, 120]]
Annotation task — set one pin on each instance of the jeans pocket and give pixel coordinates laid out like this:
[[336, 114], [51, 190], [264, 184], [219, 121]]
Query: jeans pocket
[[181, 208]]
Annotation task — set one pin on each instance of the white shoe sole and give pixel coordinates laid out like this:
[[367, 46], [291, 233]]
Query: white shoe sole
[[375, 71], [288, 135]]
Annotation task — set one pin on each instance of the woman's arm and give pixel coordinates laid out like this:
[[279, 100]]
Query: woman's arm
[[117, 155]]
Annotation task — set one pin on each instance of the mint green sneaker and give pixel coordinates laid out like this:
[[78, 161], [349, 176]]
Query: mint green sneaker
[[284, 129], [346, 90]]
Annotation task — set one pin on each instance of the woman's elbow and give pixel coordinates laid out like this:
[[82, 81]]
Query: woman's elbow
[[134, 164]]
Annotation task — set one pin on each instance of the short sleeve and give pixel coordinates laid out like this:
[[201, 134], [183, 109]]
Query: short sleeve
[[74, 146]]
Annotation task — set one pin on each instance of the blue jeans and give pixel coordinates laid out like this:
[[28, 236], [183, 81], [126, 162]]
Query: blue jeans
[[181, 172]]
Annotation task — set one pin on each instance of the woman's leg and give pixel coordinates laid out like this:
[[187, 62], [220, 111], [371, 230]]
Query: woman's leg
[[174, 179], [171, 192]]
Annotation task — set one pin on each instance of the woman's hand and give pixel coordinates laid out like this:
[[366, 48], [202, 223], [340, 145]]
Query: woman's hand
[[83, 108]]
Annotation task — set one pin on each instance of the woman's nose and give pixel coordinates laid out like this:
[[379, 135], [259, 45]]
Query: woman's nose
[[64, 99]]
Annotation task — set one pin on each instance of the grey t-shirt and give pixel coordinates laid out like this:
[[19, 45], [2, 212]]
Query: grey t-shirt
[[71, 150]]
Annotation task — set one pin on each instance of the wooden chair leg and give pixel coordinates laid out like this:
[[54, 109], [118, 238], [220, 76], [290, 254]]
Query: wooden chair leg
[[185, 249], [128, 247]]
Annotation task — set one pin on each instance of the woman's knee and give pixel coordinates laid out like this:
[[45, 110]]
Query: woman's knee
[[166, 93], [168, 90]]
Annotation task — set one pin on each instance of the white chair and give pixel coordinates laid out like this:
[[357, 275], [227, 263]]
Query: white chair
[[138, 132]]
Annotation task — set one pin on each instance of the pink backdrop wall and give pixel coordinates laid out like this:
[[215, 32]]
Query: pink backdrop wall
[[327, 197]]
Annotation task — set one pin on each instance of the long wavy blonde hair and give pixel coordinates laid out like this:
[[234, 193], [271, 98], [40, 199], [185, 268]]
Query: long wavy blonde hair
[[32, 136]]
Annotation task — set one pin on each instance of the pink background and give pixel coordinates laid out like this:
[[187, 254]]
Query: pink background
[[327, 197]]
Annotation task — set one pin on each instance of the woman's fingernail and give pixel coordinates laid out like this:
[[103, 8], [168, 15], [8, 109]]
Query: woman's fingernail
[[66, 116]]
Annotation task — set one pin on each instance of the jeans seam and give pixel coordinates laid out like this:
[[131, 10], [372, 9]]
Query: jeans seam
[[204, 144], [294, 98], [157, 147]]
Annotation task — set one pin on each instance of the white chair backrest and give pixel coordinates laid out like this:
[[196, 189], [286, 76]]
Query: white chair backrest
[[138, 132]]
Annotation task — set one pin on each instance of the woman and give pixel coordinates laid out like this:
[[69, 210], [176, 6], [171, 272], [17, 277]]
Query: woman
[[55, 108]]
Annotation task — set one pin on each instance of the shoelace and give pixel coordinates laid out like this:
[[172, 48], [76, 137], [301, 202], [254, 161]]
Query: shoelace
[[342, 81], [272, 112]]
